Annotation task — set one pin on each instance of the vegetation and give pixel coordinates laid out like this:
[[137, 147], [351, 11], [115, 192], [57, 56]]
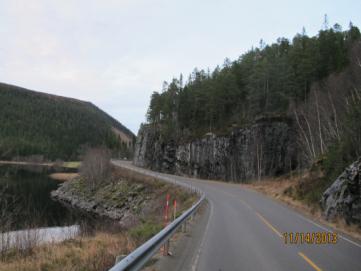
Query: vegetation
[[71, 164], [34, 123], [328, 150], [314, 81], [268, 80], [132, 191], [348, 147], [144, 231], [93, 253], [302, 191], [142, 195], [96, 168]]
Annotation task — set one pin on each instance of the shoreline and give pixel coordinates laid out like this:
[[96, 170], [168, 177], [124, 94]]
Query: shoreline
[[66, 164], [23, 163]]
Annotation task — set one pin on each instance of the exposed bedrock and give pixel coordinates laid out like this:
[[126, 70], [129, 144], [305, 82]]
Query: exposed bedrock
[[266, 148]]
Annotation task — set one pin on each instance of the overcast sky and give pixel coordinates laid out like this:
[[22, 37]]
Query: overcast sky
[[116, 53]]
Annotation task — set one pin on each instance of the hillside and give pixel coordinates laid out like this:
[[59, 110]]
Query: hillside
[[284, 118], [35, 123], [277, 108], [268, 80]]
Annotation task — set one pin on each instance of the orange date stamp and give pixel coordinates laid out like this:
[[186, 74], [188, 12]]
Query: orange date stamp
[[312, 238]]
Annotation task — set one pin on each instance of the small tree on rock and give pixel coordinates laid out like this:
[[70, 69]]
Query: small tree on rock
[[96, 168]]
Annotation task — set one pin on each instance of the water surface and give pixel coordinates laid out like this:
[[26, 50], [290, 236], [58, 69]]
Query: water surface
[[25, 200]]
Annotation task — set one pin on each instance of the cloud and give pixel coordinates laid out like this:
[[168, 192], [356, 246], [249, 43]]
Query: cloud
[[115, 53]]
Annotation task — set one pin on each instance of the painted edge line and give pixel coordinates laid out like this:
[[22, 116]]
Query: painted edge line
[[306, 219], [329, 230], [195, 262]]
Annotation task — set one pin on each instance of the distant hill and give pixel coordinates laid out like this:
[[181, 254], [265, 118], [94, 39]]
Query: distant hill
[[35, 123]]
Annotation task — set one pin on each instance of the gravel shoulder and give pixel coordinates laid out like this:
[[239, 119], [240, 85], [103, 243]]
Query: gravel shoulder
[[185, 247]]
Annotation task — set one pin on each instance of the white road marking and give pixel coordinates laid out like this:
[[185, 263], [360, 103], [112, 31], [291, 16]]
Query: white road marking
[[304, 218], [328, 230], [195, 263]]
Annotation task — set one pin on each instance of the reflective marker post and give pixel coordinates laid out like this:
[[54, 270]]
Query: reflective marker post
[[166, 244], [174, 209]]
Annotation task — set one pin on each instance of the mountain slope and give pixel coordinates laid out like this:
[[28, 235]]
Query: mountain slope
[[269, 80], [277, 108], [35, 123]]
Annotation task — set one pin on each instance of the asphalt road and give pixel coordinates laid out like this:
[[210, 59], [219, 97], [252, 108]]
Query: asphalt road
[[245, 232]]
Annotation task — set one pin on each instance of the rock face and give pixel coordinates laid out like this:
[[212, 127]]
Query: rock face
[[122, 201], [263, 149], [343, 197]]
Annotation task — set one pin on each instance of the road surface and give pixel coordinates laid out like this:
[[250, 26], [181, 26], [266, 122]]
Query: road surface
[[245, 232]]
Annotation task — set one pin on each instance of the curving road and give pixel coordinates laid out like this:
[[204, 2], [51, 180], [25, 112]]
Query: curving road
[[245, 232]]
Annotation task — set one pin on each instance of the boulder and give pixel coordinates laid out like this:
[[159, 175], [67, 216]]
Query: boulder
[[343, 197]]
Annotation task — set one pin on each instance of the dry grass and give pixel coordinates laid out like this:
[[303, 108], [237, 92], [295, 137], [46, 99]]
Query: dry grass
[[83, 253], [99, 252], [71, 164], [284, 189], [63, 176], [185, 199]]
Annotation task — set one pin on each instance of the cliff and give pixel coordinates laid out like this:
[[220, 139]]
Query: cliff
[[266, 148]]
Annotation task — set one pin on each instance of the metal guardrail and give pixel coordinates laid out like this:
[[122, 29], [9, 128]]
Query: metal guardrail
[[140, 256]]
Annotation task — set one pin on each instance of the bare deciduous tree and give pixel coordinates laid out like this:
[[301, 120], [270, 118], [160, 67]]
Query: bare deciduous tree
[[321, 120], [96, 167], [259, 156]]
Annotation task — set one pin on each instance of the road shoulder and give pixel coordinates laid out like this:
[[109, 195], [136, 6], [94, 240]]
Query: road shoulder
[[267, 188], [185, 247]]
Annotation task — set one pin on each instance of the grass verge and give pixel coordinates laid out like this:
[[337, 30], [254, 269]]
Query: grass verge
[[302, 192], [71, 164], [94, 253], [98, 251]]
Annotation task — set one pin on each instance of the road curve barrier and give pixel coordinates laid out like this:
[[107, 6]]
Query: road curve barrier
[[141, 255]]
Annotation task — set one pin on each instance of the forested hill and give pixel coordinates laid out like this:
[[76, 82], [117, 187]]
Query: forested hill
[[268, 80], [35, 123], [311, 83]]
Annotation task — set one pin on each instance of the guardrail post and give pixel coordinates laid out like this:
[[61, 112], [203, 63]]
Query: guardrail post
[[140, 256], [166, 248], [184, 226]]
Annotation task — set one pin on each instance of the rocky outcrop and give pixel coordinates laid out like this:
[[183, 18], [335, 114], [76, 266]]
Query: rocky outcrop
[[122, 201], [343, 197], [265, 148]]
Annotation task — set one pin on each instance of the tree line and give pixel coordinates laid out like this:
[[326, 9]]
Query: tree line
[[268, 80]]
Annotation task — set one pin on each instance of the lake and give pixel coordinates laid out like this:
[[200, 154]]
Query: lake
[[25, 200], [25, 203]]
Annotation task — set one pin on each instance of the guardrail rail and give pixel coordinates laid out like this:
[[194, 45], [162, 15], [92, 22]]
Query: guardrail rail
[[141, 255]]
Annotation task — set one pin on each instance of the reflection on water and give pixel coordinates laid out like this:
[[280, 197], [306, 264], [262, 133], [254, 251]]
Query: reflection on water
[[25, 201], [23, 239], [28, 215]]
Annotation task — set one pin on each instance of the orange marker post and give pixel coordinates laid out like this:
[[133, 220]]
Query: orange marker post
[[174, 209], [166, 210]]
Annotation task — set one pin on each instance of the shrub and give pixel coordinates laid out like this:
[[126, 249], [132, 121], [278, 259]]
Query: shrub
[[96, 167]]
